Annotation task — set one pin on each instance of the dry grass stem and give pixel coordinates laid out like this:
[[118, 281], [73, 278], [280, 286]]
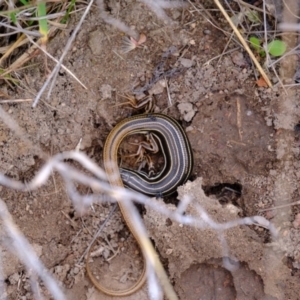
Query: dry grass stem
[[52, 76], [287, 7], [226, 46], [168, 92], [19, 42], [27, 32], [289, 27], [239, 118], [62, 66], [218, 56], [15, 100], [280, 206], [4, 49], [98, 233], [244, 43], [279, 79], [214, 24], [243, 3], [206, 15]]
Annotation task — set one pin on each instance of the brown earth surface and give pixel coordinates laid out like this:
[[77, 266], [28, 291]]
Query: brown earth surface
[[245, 160]]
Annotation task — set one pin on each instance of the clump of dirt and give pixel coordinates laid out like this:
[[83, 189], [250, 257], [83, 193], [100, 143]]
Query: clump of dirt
[[205, 251]]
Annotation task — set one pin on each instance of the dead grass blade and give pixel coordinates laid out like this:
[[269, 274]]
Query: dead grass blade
[[244, 43]]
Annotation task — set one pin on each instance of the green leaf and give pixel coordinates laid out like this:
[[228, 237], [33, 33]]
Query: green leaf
[[13, 17], [276, 48], [255, 43], [70, 8], [43, 24], [253, 16], [262, 53]]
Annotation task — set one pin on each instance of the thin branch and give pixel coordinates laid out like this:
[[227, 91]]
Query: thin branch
[[98, 233], [54, 72]]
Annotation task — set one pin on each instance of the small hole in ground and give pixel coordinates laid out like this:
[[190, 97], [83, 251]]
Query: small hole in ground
[[225, 192]]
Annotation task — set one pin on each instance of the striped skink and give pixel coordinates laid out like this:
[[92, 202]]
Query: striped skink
[[176, 149], [179, 163]]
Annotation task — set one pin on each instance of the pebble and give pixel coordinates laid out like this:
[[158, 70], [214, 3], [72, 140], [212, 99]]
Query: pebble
[[296, 222], [270, 214], [96, 42], [158, 87], [238, 58], [106, 91], [176, 14], [169, 251], [187, 63], [186, 110], [14, 278], [189, 129]]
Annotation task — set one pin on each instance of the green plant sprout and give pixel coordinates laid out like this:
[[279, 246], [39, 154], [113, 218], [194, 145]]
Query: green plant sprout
[[70, 8], [43, 23], [7, 77], [275, 47]]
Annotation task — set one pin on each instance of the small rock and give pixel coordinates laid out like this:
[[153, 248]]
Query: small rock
[[207, 32], [169, 251], [270, 214], [296, 222], [58, 269], [240, 91], [86, 142], [106, 253], [189, 129], [238, 59], [14, 278], [187, 63], [187, 111], [176, 14], [296, 265], [106, 90], [140, 96], [158, 87], [96, 42]]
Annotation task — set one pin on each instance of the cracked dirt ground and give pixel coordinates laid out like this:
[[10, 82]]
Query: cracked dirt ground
[[246, 159]]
